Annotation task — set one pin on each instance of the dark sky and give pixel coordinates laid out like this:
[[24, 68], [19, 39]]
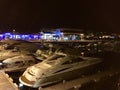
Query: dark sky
[[32, 15]]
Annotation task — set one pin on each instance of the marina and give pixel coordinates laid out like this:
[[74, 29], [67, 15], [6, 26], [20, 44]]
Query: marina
[[59, 45], [107, 70]]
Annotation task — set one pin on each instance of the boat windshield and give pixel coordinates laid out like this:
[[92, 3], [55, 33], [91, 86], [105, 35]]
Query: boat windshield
[[33, 71], [55, 57], [38, 69]]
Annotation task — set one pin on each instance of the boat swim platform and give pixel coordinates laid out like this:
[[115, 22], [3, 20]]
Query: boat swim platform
[[6, 83], [78, 83]]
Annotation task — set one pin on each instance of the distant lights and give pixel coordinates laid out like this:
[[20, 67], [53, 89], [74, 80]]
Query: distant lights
[[49, 36], [81, 34], [13, 30]]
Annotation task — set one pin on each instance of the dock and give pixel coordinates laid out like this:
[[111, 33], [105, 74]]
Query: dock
[[6, 83]]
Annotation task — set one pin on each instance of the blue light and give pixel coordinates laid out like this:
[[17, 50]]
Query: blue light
[[18, 36], [2, 36], [35, 36], [57, 32], [31, 36], [7, 33]]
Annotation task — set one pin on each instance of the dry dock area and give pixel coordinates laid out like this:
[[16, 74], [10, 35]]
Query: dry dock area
[[78, 83], [6, 82]]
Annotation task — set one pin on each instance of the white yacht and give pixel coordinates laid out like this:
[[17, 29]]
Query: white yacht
[[22, 45], [58, 68], [17, 63], [8, 54]]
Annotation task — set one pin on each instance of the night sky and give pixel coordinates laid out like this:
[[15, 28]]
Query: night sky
[[32, 15]]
